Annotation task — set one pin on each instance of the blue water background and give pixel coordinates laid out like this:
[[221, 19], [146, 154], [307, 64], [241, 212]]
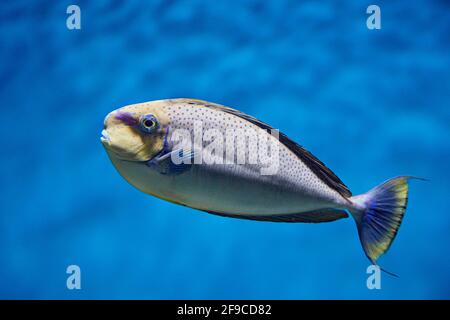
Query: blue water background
[[370, 104]]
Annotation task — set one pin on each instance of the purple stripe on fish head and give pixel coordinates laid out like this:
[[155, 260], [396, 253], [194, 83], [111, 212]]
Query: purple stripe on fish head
[[126, 117]]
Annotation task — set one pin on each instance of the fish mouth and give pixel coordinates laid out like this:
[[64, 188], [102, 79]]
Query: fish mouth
[[105, 139]]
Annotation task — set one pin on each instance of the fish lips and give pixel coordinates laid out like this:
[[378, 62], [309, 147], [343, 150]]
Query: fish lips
[[105, 139]]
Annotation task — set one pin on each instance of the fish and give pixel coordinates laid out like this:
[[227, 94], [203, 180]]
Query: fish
[[208, 157]]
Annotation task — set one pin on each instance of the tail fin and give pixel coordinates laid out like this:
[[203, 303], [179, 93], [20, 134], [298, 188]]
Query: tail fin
[[379, 213]]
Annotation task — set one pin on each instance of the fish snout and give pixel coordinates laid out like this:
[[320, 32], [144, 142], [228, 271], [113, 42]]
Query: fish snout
[[118, 142], [105, 138]]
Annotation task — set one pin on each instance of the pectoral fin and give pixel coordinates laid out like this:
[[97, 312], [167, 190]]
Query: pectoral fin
[[165, 164]]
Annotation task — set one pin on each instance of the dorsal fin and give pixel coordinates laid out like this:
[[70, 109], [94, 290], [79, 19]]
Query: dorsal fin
[[314, 164]]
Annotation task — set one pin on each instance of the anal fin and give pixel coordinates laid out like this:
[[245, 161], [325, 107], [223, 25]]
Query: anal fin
[[316, 216]]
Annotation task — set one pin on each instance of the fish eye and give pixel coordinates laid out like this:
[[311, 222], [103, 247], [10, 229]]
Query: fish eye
[[148, 123]]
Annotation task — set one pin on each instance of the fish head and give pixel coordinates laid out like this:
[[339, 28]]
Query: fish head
[[135, 132]]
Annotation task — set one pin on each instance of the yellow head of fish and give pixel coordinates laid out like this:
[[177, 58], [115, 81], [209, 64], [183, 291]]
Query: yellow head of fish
[[135, 132]]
